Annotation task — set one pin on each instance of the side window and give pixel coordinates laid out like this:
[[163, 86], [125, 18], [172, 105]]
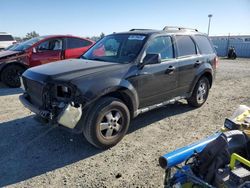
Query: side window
[[77, 43], [185, 46], [162, 45], [50, 45], [203, 44]]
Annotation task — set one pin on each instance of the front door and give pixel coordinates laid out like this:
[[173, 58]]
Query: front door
[[46, 52], [158, 82]]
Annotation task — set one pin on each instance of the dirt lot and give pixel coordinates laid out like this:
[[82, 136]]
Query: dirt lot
[[32, 155]]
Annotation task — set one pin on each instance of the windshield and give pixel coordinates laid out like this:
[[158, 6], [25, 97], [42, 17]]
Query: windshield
[[119, 48], [26, 44]]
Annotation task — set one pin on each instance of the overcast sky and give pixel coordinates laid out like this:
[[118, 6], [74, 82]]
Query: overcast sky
[[91, 17]]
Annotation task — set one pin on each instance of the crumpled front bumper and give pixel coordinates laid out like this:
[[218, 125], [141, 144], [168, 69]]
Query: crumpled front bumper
[[23, 99], [69, 115]]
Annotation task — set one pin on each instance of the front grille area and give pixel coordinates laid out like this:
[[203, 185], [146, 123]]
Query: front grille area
[[34, 90]]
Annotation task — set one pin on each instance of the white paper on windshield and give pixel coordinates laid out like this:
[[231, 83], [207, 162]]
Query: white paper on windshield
[[136, 37]]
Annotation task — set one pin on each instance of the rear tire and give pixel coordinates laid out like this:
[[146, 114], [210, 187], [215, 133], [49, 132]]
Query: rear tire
[[107, 122], [10, 75], [200, 93]]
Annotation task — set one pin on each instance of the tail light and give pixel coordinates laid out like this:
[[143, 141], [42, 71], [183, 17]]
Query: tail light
[[216, 62]]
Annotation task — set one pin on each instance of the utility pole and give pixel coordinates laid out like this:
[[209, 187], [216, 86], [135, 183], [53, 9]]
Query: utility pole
[[209, 21]]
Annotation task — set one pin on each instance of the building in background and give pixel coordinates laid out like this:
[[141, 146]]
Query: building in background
[[241, 43]]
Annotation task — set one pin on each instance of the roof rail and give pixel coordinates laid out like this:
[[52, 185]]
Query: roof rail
[[139, 29], [167, 28]]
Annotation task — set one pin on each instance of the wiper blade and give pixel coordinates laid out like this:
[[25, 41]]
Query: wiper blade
[[97, 59], [83, 57], [94, 59]]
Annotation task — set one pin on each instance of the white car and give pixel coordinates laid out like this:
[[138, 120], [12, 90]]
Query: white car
[[6, 40]]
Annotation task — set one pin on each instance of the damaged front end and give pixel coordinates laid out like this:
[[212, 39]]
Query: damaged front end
[[70, 116], [59, 103]]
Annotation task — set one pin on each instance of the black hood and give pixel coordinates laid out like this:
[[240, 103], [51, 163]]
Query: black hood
[[69, 69], [6, 54]]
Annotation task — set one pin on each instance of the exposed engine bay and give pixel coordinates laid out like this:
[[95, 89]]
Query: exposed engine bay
[[57, 103]]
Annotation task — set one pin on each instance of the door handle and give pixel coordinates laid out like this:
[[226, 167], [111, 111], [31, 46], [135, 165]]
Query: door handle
[[170, 69]]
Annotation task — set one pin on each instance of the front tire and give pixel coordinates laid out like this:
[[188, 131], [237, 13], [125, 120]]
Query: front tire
[[10, 75], [107, 122], [200, 93]]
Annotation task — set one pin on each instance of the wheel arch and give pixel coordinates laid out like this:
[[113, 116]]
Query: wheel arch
[[209, 76], [4, 65], [127, 96], [206, 73], [123, 90]]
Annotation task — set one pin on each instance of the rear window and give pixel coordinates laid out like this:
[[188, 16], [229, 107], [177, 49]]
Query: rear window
[[77, 43], [6, 38], [203, 44], [185, 46]]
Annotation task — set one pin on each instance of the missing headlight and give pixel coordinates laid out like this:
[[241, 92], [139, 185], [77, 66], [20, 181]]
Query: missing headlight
[[63, 91]]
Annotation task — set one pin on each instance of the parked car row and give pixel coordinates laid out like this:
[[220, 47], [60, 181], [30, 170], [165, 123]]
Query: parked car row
[[38, 51], [6, 40], [118, 78]]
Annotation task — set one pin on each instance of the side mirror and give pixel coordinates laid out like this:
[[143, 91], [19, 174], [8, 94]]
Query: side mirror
[[151, 59], [34, 50]]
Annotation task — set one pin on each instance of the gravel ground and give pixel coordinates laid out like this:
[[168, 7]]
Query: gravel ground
[[33, 155]]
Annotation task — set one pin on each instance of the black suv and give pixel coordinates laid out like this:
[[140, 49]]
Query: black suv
[[120, 77]]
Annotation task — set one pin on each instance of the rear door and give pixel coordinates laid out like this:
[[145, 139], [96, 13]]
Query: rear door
[[158, 82], [47, 51], [206, 49], [188, 59], [75, 47]]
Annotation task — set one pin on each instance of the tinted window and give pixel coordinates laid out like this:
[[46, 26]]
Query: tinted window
[[77, 43], [203, 45], [6, 38], [161, 45], [54, 44], [185, 46]]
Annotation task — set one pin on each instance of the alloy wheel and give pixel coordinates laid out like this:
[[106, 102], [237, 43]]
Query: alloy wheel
[[111, 124]]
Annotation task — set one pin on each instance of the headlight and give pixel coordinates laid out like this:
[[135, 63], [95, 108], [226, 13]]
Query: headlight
[[63, 91]]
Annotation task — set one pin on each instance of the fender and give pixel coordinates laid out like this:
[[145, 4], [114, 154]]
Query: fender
[[5, 64], [207, 70], [123, 87], [1, 66]]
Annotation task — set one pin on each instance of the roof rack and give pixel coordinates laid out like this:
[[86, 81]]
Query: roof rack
[[167, 28], [139, 29]]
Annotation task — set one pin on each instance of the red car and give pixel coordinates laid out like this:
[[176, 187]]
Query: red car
[[38, 51]]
